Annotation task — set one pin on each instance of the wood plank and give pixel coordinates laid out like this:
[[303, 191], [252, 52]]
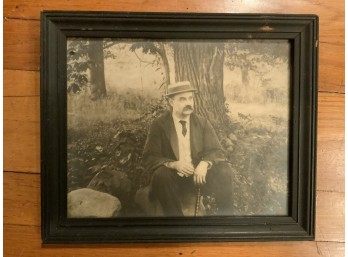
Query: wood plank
[[329, 249], [21, 83], [330, 165], [330, 217], [30, 9], [21, 44], [22, 206], [331, 67], [330, 149], [24, 109], [22, 198], [22, 146], [330, 116], [25, 241], [331, 13]]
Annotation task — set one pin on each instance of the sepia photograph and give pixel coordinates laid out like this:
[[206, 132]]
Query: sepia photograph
[[172, 128], [178, 127]]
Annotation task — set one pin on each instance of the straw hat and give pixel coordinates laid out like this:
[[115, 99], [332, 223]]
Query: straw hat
[[180, 87]]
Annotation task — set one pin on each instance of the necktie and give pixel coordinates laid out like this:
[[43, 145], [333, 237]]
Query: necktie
[[184, 129]]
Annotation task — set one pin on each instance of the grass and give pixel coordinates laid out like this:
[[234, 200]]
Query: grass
[[260, 158], [82, 111], [110, 133]]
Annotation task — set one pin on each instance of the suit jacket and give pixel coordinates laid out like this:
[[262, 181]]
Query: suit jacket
[[162, 143]]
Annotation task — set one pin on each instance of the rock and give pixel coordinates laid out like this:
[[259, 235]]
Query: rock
[[154, 208], [112, 182], [227, 142], [232, 137], [85, 203], [230, 149]]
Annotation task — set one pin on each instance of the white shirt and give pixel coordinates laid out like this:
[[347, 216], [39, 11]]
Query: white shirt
[[183, 141]]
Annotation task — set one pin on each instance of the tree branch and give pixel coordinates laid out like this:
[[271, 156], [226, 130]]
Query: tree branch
[[111, 44], [141, 59], [211, 73], [158, 49]]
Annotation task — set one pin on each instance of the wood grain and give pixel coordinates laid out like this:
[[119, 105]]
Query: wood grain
[[22, 199], [330, 148], [23, 109], [329, 249], [21, 45], [25, 241], [29, 9], [330, 216], [22, 144], [21, 83], [331, 67]]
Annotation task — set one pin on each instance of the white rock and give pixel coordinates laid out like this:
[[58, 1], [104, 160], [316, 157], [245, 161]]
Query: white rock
[[85, 202], [232, 137]]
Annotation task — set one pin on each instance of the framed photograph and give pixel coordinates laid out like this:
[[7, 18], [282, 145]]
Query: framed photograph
[[178, 127]]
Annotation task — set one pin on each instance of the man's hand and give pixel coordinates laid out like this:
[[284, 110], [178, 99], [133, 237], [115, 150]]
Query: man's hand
[[183, 168], [200, 173]]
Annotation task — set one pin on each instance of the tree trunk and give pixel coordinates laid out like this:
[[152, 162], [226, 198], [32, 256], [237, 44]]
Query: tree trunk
[[202, 65], [96, 57], [163, 54]]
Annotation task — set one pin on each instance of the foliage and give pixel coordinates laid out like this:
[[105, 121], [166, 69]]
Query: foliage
[[258, 154], [78, 62], [251, 53], [107, 136], [158, 49], [147, 47], [115, 144], [263, 66], [256, 149]]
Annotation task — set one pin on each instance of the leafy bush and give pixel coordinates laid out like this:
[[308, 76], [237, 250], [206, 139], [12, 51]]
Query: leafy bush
[[258, 155], [109, 135], [95, 144]]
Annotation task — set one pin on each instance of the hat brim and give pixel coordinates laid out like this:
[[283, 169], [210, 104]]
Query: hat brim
[[181, 91]]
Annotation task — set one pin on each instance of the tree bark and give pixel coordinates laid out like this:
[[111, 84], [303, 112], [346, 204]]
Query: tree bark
[[162, 52], [96, 56], [202, 65]]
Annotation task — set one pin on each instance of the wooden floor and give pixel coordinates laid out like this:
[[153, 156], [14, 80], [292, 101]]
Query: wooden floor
[[22, 130]]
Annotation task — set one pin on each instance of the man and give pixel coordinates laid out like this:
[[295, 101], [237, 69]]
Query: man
[[184, 153]]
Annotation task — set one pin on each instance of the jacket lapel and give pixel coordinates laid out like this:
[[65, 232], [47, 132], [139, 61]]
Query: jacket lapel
[[194, 137], [170, 132]]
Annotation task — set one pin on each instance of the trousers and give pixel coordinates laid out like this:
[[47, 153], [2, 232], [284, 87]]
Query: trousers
[[169, 188]]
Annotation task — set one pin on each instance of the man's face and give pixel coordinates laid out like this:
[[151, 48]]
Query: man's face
[[182, 104]]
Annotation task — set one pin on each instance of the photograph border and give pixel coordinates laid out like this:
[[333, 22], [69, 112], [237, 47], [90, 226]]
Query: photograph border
[[301, 30]]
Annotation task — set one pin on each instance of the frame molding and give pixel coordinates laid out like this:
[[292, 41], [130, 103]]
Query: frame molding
[[301, 30]]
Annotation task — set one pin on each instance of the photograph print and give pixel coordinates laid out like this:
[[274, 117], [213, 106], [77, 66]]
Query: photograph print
[[177, 128]]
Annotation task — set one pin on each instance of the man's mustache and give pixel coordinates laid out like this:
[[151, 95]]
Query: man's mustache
[[188, 107]]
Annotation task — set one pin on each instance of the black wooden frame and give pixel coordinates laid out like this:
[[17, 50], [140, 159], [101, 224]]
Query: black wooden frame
[[301, 30]]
